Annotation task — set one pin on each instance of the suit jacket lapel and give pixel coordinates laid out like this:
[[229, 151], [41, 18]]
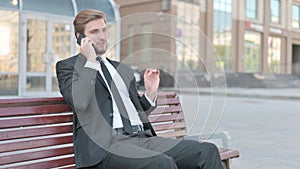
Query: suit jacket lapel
[[99, 78]]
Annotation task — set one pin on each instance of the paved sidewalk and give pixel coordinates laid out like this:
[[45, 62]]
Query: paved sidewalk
[[262, 123]]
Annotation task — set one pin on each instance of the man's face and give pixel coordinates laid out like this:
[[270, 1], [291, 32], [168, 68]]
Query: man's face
[[98, 32]]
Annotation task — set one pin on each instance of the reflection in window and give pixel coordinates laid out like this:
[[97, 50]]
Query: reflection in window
[[9, 49], [252, 52], [222, 31], [188, 36], [275, 9], [61, 47], [251, 9], [35, 84], [295, 16], [274, 53], [147, 40], [130, 39], [36, 45]]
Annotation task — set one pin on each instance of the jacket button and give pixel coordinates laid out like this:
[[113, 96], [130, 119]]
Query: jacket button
[[92, 82], [110, 115], [109, 97]]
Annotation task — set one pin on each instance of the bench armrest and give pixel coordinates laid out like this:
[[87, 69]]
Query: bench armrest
[[223, 135]]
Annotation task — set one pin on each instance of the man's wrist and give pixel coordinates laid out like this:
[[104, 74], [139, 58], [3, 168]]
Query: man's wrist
[[151, 97], [92, 65]]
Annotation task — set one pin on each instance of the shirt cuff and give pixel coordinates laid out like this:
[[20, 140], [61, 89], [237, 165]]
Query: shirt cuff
[[92, 65], [152, 102]]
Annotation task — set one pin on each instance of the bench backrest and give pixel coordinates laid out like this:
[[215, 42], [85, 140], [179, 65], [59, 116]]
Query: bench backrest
[[37, 133]]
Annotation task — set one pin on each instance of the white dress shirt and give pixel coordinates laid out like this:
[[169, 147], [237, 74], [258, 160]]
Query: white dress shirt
[[121, 86]]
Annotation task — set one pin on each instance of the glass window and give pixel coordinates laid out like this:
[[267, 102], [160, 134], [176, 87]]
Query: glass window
[[9, 49], [35, 84], [187, 34], [36, 45], [222, 31], [295, 16], [275, 11], [251, 9], [274, 53], [147, 40], [252, 52], [61, 45], [130, 39]]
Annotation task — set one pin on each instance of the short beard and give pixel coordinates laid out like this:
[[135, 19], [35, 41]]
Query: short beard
[[99, 51]]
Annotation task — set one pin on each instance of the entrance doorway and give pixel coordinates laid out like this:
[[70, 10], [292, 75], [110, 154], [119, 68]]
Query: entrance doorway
[[296, 59], [47, 40]]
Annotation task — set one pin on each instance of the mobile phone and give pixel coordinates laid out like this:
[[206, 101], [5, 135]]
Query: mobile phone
[[79, 38]]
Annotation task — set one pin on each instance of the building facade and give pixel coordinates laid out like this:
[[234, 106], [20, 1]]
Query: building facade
[[176, 36], [252, 36]]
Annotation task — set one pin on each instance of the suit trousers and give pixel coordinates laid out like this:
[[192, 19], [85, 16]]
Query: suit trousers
[[142, 152]]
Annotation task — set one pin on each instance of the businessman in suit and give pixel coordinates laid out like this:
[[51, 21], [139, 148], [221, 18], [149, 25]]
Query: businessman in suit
[[110, 125]]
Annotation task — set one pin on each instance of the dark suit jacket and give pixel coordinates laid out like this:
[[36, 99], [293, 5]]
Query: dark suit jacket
[[86, 92]]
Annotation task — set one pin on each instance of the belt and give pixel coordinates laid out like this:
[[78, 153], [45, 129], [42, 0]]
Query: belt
[[136, 129]]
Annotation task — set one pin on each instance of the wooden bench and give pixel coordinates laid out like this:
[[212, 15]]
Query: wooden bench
[[37, 132]]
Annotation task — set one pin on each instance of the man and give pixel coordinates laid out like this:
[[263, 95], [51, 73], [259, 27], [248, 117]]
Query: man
[[105, 134]]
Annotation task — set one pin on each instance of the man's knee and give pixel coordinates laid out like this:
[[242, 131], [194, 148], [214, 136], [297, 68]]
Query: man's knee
[[211, 148], [165, 162]]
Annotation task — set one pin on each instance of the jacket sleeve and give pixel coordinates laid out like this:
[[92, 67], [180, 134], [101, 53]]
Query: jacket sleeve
[[76, 83], [64, 76]]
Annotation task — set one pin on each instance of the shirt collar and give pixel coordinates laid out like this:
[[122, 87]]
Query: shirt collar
[[103, 58]]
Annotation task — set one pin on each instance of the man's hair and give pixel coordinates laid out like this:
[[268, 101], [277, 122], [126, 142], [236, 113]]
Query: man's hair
[[84, 17]]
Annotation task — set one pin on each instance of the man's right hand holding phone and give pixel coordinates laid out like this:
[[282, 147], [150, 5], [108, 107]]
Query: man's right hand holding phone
[[86, 48]]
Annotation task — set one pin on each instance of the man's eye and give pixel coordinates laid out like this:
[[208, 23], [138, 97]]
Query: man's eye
[[94, 31]]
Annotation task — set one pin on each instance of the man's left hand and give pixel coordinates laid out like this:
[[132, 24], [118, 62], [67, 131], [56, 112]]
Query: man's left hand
[[151, 81]]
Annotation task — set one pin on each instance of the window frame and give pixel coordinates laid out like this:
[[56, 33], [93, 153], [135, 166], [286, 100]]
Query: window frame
[[279, 12]]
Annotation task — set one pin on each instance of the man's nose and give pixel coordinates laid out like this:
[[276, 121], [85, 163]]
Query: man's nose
[[102, 34]]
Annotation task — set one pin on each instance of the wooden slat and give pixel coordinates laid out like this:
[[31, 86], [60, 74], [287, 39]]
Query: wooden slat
[[228, 154], [34, 110], [30, 101], [163, 94], [49, 164], [168, 101], [171, 109], [176, 125], [165, 118], [22, 145], [15, 158], [22, 122], [171, 134], [166, 94], [29, 132], [69, 167], [15, 101]]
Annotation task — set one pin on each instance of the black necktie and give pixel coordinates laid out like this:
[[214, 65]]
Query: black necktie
[[118, 99]]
